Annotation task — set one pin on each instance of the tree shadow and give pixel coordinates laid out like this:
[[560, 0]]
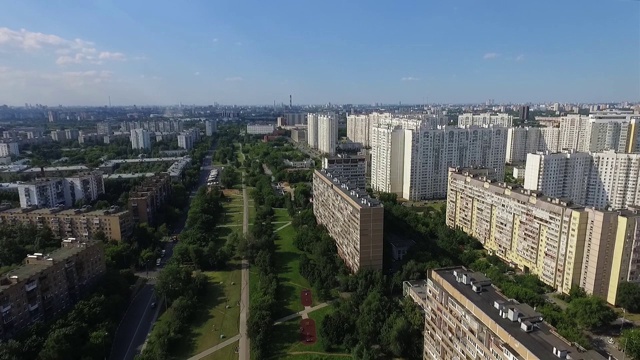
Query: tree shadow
[[213, 297], [285, 261], [283, 336]]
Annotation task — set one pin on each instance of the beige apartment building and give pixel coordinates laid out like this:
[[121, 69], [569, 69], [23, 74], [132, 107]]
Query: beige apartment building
[[467, 318], [48, 284], [83, 224], [563, 244], [147, 198], [353, 219]]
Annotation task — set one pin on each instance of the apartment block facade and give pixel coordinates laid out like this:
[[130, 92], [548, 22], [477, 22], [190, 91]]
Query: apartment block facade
[[9, 148], [562, 243], [486, 119], [352, 218], [147, 198], [48, 193], [140, 139], [350, 168], [82, 224], [327, 133], [411, 159], [600, 132], [601, 180], [312, 130], [260, 129], [45, 286], [467, 318], [524, 140]]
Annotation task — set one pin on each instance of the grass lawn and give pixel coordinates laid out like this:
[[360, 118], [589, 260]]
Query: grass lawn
[[226, 353], [281, 215], [287, 345], [287, 260], [212, 318]]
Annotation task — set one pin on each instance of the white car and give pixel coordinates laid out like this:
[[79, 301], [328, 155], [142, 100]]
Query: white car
[[158, 262]]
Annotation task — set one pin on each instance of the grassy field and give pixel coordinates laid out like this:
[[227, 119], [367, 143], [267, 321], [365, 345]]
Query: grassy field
[[226, 353], [287, 259], [287, 345], [212, 318], [281, 215]]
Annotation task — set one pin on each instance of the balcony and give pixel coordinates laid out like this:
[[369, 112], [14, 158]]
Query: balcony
[[33, 307], [5, 308], [8, 319], [30, 286]]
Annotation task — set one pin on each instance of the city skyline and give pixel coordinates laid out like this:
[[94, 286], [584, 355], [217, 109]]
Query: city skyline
[[329, 52]]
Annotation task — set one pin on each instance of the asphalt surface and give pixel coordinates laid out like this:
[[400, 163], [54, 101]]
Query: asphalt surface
[[137, 322]]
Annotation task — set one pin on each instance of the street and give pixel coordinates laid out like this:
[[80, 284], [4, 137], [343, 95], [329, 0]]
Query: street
[[138, 320], [244, 296]]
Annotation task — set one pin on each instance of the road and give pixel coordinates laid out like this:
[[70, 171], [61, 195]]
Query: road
[[243, 346], [137, 322]]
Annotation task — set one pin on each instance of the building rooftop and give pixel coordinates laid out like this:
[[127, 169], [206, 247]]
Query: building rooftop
[[114, 211], [28, 270], [349, 191], [541, 341], [58, 168]]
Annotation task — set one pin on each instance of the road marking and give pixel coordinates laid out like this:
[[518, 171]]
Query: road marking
[[146, 308]]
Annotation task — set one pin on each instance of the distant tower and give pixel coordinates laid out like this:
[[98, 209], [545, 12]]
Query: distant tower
[[290, 103], [109, 101]]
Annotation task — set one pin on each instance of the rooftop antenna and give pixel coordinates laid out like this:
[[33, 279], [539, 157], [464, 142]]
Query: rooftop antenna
[[290, 103]]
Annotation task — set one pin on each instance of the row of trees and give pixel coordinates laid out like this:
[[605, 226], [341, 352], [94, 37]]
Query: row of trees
[[259, 249], [182, 289], [84, 333], [16, 241]]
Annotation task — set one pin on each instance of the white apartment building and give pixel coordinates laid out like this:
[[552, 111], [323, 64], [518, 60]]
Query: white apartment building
[[358, 128], [525, 140], [260, 129], [85, 186], [351, 168], [412, 160], [486, 119], [327, 133], [140, 139], [312, 130], [601, 180], [560, 175], [210, 127], [187, 139], [9, 148], [45, 194], [600, 132]]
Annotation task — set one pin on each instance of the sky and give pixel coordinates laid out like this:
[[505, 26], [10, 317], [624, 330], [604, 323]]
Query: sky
[[81, 52]]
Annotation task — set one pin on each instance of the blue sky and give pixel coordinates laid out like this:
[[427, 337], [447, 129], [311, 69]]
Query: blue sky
[[254, 52]]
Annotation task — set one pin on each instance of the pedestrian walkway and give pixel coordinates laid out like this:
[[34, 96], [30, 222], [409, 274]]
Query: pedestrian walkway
[[213, 349], [301, 313]]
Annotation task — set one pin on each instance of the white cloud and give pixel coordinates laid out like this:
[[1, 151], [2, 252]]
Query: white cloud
[[520, 57], [76, 51], [234, 78], [489, 56], [197, 73], [410, 78]]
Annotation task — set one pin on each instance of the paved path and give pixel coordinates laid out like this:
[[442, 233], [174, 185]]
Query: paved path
[[304, 313], [213, 349], [244, 296], [283, 226]]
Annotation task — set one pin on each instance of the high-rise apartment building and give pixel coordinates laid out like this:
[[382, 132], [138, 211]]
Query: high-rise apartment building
[[353, 219], [58, 135], [601, 180], [140, 139], [210, 127], [147, 198], [295, 118], [103, 128], [299, 135], [467, 318], [83, 224], [600, 132], [47, 285], [524, 114], [412, 159], [349, 168], [486, 119], [562, 243], [260, 129], [524, 140], [48, 193], [187, 139], [9, 148], [327, 133], [312, 130]]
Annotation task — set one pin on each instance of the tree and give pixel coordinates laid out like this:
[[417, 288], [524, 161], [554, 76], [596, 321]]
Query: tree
[[630, 342], [590, 312], [629, 296], [229, 177]]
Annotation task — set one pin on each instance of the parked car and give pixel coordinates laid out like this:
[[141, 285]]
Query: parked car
[[158, 262]]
